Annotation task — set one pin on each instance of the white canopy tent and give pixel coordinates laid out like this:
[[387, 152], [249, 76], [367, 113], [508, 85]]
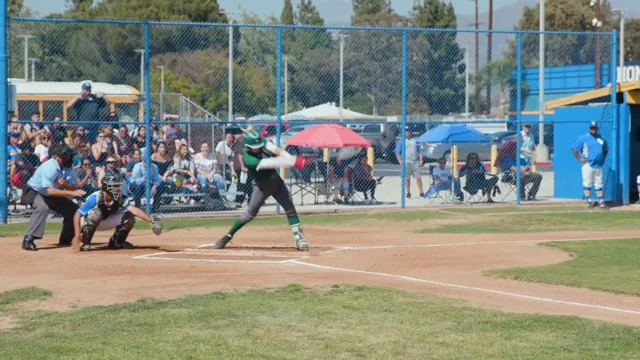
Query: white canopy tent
[[329, 111]]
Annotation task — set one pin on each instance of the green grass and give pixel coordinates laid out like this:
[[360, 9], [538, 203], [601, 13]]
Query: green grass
[[518, 209], [294, 323], [521, 223], [9, 230], [607, 265], [16, 296]]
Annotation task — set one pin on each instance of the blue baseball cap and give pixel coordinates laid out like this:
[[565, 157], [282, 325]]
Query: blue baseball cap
[[593, 124], [86, 85], [14, 134]]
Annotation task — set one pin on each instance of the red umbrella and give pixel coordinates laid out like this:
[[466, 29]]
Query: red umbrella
[[328, 136]]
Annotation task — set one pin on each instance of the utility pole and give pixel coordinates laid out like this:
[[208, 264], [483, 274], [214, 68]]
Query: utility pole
[[489, 51], [286, 85], [477, 60], [597, 25], [26, 54], [141, 51], [230, 67], [466, 83], [33, 68], [161, 92], [542, 152], [341, 74], [622, 75]]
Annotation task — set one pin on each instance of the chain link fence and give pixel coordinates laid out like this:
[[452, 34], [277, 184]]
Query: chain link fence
[[389, 117]]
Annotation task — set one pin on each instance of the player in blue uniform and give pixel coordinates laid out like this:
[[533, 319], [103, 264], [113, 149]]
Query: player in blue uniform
[[106, 209], [591, 150]]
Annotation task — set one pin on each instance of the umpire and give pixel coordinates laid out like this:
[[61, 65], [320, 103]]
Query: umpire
[[51, 188]]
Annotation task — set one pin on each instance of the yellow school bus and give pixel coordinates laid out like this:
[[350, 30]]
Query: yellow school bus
[[50, 98]]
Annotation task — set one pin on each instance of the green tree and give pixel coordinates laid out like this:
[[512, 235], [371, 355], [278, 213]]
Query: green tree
[[632, 40], [565, 50], [287, 17], [434, 56], [14, 7], [498, 73], [371, 7]]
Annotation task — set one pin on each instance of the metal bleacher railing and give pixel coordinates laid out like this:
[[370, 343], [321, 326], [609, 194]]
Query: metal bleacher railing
[[428, 132]]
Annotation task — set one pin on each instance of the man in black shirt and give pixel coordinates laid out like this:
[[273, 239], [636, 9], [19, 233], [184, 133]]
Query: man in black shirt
[[88, 107], [58, 131]]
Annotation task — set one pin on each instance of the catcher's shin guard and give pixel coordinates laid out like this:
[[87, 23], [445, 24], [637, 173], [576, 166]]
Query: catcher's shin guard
[[119, 238], [91, 222]]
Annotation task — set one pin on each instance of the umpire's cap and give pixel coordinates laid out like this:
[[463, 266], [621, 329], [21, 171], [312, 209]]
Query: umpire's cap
[[593, 125]]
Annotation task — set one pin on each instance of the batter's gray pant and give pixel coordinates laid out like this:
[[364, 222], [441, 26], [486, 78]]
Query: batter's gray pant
[[262, 189], [61, 205]]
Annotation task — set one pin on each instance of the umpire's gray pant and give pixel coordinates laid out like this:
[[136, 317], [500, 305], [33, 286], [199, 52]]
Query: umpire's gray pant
[[61, 205], [264, 188]]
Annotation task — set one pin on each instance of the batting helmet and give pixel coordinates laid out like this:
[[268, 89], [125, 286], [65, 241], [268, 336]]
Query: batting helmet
[[252, 139]]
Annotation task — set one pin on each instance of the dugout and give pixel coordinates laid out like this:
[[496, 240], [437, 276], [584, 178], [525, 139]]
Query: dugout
[[570, 116]]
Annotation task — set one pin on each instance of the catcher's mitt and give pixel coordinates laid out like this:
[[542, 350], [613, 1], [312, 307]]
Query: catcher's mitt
[[157, 223]]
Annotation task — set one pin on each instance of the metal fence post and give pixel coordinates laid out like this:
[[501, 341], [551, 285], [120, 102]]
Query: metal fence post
[[4, 114], [519, 119], [614, 104], [405, 40], [147, 113], [279, 97]]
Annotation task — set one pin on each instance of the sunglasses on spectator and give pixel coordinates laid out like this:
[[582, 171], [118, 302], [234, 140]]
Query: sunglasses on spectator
[[111, 162], [86, 164]]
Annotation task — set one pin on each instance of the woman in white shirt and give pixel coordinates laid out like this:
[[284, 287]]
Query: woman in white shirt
[[206, 167], [42, 150]]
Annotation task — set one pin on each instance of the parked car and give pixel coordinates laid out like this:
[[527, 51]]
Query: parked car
[[270, 130], [384, 137]]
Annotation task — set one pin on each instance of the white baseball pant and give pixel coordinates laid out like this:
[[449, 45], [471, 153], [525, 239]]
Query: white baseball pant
[[109, 223], [591, 177]]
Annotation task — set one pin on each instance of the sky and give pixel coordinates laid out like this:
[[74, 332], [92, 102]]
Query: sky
[[334, 11]]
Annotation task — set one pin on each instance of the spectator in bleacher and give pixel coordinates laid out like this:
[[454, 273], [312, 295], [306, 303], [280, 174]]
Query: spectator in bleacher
[[110, 168], [477, 180], [139, 140], [156, 132], [172, 131], [88, 107], [224, 157], [362, 179], [84, 139], [135, 158], [138, 184], [205, 163], [124, 145], [82, 152], [13, 148], [35, 130], [104, 146], [161, 159], [24, 165], [86, 177], [184, 167], [42, 150], [339, 179], [442, 181], [14, 126], [58, 131], [112, 119]]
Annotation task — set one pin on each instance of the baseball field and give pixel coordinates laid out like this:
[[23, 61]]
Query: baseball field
[[530, 282]]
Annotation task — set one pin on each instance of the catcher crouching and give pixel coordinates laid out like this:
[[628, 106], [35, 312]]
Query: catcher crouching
[[107, 209]]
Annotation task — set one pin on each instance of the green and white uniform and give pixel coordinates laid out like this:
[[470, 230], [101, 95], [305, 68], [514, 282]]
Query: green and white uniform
[[267, 182]]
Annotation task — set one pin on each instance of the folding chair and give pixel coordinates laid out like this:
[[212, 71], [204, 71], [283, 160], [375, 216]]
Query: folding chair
[[478, 193], [443, 195], [508, 182], [302, 182]]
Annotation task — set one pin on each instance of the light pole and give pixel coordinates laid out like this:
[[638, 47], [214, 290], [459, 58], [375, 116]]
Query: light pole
[[373, 100], [622, 75], [26, 54], [466, 82], [141, 51], [33, 68], [477, 24], [542, 152], [286, 85], [230, 80], [342, 36], [161, 91]]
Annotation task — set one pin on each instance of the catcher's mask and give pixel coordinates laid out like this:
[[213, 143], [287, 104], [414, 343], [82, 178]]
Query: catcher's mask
[[112, 184]]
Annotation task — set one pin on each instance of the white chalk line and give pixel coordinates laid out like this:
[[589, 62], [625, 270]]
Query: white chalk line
[[465, 287], [238, 253], [273, 262]]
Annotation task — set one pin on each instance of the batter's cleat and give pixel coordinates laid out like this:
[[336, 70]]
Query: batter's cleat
[[302, 245], [28, 244], [220, 244]]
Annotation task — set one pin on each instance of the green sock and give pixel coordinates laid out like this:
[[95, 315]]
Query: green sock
[[235, 227], [294, 222]]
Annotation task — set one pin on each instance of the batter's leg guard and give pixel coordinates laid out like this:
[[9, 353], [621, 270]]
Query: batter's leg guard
[[91, 222], [301, 243], [119, 238]]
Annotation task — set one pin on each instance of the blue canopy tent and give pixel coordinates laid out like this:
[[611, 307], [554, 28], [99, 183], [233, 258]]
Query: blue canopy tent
[[450, 134]]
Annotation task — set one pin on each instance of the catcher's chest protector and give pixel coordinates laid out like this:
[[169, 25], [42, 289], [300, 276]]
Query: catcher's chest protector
[[108, 210]]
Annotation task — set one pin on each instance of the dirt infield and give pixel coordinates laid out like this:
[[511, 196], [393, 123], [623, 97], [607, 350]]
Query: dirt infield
[[181, 262]]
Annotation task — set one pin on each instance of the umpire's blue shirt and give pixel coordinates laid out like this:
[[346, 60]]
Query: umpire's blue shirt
[[592, 147], [47, 174]]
